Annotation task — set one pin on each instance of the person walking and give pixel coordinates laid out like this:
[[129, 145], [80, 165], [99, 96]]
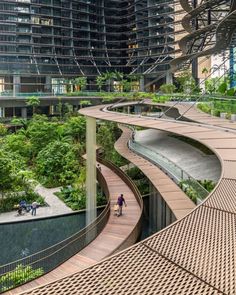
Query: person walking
[[120, 202], [34, 207]]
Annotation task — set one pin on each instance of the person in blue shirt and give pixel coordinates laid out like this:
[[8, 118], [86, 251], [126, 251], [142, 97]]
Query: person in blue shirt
[[120, 202]]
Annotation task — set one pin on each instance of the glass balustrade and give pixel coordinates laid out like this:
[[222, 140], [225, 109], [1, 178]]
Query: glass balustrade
[[174, 171]]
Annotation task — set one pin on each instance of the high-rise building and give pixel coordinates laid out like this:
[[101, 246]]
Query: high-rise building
[[43, 43]]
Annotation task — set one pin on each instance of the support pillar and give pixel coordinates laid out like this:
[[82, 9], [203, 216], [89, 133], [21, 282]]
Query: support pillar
[[91, 186], [153, 215], [128, 110], [2, 112], [48, 84], [51, 110], [169, 77], [141, 83], [232, 67], [24, 113], [159, 212], [16, 85], [195, 70]]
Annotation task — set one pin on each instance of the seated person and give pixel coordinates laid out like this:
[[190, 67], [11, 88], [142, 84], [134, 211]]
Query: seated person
[[23, 204]]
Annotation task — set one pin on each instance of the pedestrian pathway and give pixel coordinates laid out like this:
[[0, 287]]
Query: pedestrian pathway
[[55, 207], [115, 236], [186, 156]]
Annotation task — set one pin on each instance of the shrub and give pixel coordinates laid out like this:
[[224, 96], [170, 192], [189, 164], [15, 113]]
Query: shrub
[[75, 198], [222, 88], [230, 92], [216, 112], [204, 107], [190, 191], [3, 130], [10, 200], [167, 88], [208, 184], [20, 275]]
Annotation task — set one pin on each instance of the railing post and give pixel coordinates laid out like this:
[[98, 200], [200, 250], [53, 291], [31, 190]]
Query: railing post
[[91, 187]]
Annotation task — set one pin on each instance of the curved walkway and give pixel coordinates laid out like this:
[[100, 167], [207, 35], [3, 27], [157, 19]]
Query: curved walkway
[[195, 255], [175, 198], [115, 233], [190, 111], [189, 158]]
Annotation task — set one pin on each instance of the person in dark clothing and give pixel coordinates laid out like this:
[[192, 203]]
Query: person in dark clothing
[[120, 202]]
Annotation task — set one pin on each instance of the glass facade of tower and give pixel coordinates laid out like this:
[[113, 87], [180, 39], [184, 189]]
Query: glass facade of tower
[[45, 42]]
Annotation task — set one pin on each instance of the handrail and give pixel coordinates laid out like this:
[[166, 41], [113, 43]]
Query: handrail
[[125, 178], [171, 173], [133, 236], [53, 256]]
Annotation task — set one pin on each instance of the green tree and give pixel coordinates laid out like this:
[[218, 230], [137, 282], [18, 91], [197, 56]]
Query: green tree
[[6, 175], [211, 85], [67, 110], [118, 76], [57, 164], [10, 165], [186, 82], [81, 83], [109, 77], [33, 101], [76, 128], [59, 107], [41, 132], [20, 144], [69, 85], [168, 88], [126, 85], [100, 82], [106, 137], [222, 88]]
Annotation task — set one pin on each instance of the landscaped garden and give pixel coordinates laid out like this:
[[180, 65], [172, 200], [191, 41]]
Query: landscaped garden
[[46, 151], [49, 150]]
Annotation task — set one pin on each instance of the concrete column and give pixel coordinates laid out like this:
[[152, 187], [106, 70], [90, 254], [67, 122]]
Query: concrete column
[[51, 110], [169, 77], [159, 212], [2, 112], [141, 83], [16, 84], [223, 115], [233, 117], [48, 84], [24, 113], [153, 209], [195, 70], [91, 187], [128, 110]]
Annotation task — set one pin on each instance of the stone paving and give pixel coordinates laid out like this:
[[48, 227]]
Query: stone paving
[[189, 158], [55, 207]]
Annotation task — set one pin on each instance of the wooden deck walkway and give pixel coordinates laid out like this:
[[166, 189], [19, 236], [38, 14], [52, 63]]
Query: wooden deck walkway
[[196, 115], [175, 198], [114, 234]]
